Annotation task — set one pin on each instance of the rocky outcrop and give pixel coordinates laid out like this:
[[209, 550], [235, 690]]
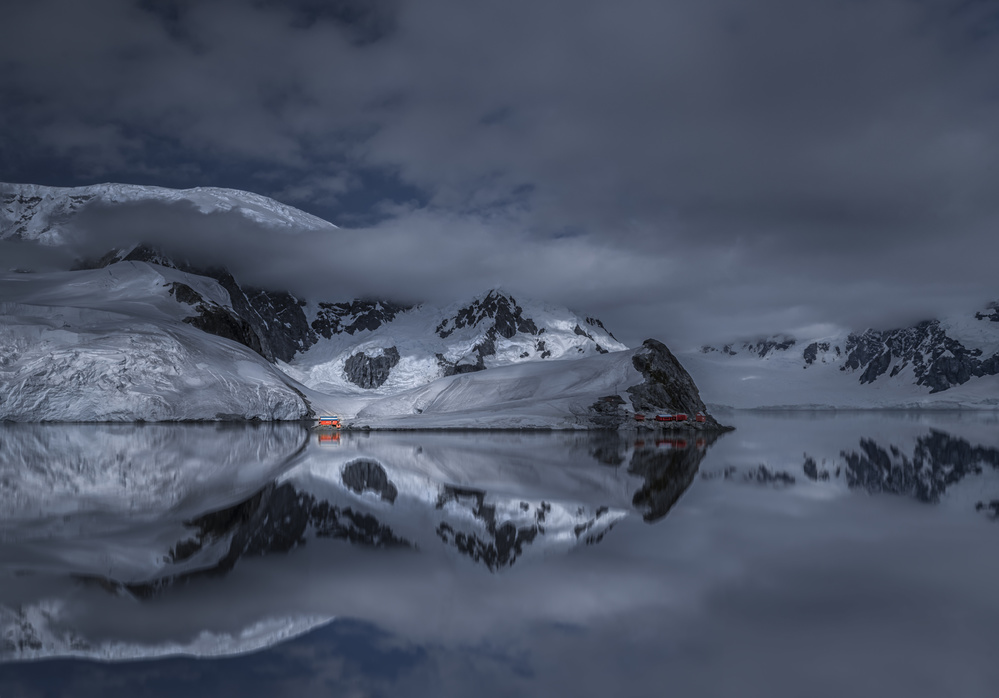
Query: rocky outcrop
[[356, 316], [506, 317], [811, 352], [276, 318], [938, 361], [608, 412], [594, 322], [214, 319], [371, 371], [760, 347], [667, 386]]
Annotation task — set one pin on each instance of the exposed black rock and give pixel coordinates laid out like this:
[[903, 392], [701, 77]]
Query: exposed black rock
[[280, 319], [507, 317], [667, 386], [356, 316], [367, 475], [812, 351], [371, 371], [938, 360], [276, 318], [215, 319], [608, 412], [594, 322], [485, 347], [763, 347]]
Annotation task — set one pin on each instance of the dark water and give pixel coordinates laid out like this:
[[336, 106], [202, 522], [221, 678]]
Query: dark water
[[803, 554]]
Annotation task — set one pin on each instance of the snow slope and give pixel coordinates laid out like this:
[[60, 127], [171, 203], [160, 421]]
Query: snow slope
[[110, 345], [528, 395]]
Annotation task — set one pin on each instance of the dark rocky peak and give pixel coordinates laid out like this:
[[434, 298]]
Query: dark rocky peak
[[726, 349], [214, 319], [667, 386], [483, 348], [355, 316], [371, 370], [594, 322], [498, 309], [150, 255], [811, 353], [277, 317], [140, 253], [762, 347], [937, 360]]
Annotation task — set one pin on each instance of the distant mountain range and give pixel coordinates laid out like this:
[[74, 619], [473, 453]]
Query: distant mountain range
[[948, 362], [136, 334]]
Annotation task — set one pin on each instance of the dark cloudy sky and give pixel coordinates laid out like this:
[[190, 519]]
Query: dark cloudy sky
[[687, 169]]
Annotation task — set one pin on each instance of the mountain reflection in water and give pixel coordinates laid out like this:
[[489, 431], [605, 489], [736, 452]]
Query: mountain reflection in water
[[498, 555]]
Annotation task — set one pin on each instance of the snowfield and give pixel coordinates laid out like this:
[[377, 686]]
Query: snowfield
[[530, 395], [109, 345]]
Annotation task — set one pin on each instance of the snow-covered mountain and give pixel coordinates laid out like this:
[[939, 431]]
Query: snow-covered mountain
[[951, 362], [35, 212], [138, 335]]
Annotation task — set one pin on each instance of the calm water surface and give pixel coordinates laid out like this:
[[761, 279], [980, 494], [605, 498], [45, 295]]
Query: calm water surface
[[803, 554]]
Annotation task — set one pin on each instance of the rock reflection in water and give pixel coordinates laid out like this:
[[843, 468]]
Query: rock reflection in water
[[767, 588], [928, 464], [415, 492]]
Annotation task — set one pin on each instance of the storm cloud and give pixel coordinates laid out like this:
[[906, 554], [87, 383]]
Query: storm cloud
[[689, 170]]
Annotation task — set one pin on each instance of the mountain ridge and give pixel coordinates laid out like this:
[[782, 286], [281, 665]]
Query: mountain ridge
[[351, 356]]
